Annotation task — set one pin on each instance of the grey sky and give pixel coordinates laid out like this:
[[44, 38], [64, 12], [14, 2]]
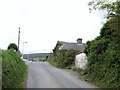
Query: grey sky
[[44, 22]]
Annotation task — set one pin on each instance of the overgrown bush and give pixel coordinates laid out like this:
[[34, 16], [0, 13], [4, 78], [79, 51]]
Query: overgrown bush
[[104, 57], [13, 46], [13, 70], [62, 59], [66, 58]]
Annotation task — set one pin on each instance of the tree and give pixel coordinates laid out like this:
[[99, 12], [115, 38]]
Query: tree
[[113, 15], [103, 52], [112, 7], [13, 46]]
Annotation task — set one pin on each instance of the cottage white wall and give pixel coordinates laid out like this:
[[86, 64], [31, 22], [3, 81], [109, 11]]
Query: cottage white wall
[[81, 61]]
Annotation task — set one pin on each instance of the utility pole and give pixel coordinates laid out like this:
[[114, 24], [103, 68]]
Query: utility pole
[[23, 49], [18, 38]]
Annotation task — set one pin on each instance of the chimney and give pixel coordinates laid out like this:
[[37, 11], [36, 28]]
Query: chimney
[[79, 40]]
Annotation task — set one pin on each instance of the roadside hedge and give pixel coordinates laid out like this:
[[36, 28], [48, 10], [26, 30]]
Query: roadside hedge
[[104, 57], [13, 70]]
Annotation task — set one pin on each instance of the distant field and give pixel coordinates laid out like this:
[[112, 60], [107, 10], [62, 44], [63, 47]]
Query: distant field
[[35, 55]]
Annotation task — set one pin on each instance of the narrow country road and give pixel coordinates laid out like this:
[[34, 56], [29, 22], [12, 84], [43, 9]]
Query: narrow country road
[[43, 75]]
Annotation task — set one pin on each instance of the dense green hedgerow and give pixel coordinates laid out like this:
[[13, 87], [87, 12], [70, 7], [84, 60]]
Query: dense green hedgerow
[[104, 56], [13, 70], [65, 59]]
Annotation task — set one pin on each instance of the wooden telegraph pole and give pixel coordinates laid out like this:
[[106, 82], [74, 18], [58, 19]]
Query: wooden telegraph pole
[[18, 38]]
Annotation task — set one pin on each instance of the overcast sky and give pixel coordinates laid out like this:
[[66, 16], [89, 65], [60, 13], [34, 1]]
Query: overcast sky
[[44, 22]]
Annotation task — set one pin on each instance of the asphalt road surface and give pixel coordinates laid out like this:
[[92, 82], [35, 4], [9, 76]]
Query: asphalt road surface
[[43, 75]]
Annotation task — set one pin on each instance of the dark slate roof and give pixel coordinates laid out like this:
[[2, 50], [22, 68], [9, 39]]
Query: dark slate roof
[[71, 46]]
